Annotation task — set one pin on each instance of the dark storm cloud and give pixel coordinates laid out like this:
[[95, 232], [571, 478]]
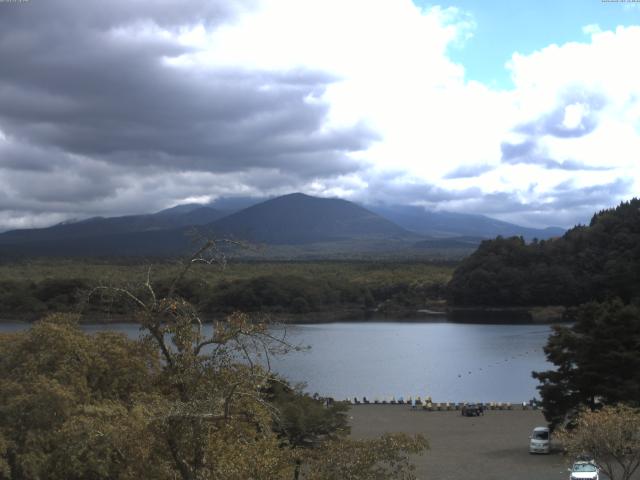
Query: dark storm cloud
[[123, 105], [93, 81], [99, 15], [79, 181], [20, 157]]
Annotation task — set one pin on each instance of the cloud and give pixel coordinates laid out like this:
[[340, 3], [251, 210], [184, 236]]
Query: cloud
[[528, 152], [514, 151], [96, 16], [116, 100], [575, 116], [140, 105], [568, 195], [566, 204], [92, 97], [468, 171], [591, 29]]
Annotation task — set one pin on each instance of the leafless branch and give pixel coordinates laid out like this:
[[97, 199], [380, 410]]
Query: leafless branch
[[208, 245], [149, 287], [204, 343], [267, 357]]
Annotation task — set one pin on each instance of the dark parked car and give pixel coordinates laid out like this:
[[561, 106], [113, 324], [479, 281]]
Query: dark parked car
[[471, 410]]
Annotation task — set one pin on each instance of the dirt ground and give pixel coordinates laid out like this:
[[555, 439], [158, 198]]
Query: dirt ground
[[489, 447]]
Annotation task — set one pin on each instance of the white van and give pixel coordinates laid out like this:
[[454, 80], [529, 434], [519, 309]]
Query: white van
[[539, 441]]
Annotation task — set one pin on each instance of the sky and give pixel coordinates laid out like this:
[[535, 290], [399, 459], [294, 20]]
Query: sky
[[525, 111]]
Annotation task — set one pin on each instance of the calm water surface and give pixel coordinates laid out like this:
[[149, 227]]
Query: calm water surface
[[448, 361]]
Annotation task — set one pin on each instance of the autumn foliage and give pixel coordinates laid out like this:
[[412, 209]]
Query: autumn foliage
[[185, 400], [611, 436]]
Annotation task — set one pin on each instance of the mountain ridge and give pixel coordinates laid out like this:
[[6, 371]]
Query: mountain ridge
[[298, 218], [449, 224], [299, 221], [96, 226]]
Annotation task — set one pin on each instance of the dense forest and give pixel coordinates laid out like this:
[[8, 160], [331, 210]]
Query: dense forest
[[594, 262], [339, 289]]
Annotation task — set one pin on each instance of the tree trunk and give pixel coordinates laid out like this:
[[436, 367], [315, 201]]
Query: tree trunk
[[296, 471]]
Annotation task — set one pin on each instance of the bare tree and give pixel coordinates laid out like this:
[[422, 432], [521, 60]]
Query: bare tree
[[213, 375]]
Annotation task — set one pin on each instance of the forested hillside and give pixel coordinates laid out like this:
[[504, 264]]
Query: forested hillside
[[29, 290], [587, 263]]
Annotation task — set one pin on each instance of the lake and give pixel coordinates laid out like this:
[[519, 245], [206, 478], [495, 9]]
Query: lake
[[448, 361]]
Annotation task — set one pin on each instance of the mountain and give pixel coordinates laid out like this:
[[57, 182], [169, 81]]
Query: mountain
[[235, 204], [302, 219], [179, 210], [177, 217], [293, 226], [293, 222], [449, 242], [450, 224]]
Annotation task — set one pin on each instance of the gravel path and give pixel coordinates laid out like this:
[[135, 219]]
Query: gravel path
[[489, 447]]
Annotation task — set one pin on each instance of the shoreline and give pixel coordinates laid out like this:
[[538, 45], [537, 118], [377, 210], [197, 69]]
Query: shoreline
[[541, 315], [547, 315]]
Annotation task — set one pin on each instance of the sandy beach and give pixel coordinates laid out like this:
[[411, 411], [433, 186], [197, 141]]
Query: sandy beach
[[489, 447]]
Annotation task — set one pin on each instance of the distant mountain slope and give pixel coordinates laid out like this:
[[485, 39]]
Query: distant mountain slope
[[299, 219], [450, 224], [294, 226], [450, 242], [181, 216], [235, 204], [178, 210], [150, 243], [294, 220]]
